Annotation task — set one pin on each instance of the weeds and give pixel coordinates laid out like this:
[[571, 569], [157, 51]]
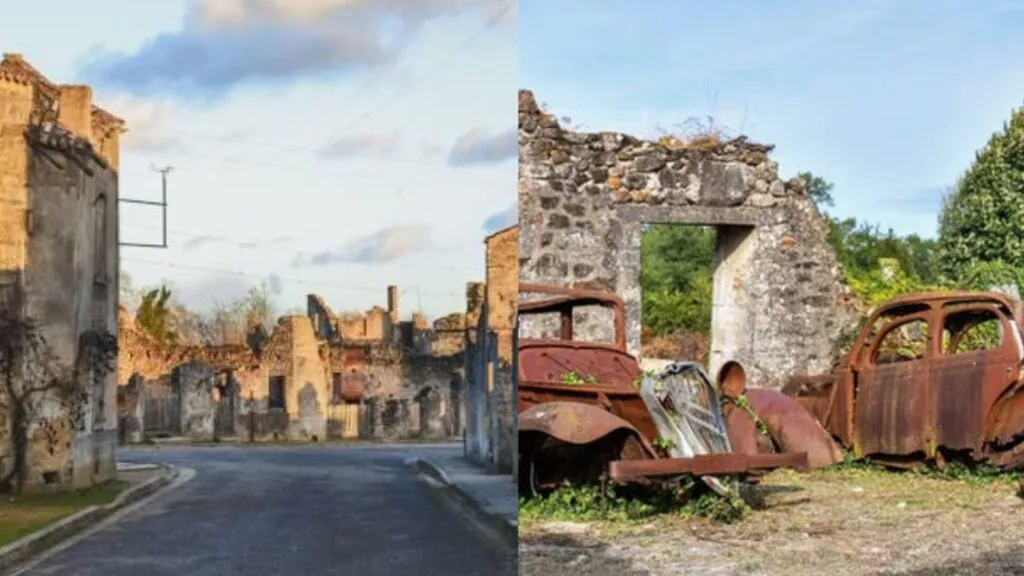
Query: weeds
[[981, 473], [632, 503], [977, 474], [575, 379]]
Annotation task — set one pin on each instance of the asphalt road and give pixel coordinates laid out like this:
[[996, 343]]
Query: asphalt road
[[293, 511]]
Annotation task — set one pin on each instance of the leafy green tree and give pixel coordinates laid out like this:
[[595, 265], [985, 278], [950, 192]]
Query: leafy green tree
[[154, 315], [677, 263], [884, 282], [860, 247], [819, 189], [982, 219]]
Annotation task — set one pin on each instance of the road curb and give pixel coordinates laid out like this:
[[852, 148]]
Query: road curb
[[508, 529], [22, 550]]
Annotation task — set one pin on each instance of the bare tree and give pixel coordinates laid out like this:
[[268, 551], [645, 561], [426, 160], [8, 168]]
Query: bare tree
[[234, 321], [37, 386]]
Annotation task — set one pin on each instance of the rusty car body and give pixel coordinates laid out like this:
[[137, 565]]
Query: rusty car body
[[586, 412], [930, 378]]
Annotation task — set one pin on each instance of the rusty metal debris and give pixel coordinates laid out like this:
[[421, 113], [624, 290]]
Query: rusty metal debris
[[931, 377], [587, 413]]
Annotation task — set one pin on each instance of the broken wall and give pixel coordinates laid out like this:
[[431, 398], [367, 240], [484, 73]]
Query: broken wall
[[58, 250], [489, 398], [780, 304], [193, 382], [448, 336], [405, 394], [502, 286], [429, 385]]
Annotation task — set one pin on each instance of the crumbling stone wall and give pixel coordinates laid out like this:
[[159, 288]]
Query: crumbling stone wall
[[325, 323], [58, 250], [502, 286], [309, 393], [131, 401], [193, 382], [449, 335], [373, 324], [779, 299], [428, 381], [488, 397], [406, 386]]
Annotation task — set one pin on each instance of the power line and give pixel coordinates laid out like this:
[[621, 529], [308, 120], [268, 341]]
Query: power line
[[293, 253], [285, 280], [338, 173], [438, 66]]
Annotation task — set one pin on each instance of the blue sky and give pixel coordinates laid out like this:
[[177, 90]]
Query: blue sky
[[888, 100], [329, 146]]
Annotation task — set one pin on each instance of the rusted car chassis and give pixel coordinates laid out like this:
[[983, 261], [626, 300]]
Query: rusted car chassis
[[931, 378], [587, 413]]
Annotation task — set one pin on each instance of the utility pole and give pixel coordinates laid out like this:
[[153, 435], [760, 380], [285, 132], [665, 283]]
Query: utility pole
[[164, 171]]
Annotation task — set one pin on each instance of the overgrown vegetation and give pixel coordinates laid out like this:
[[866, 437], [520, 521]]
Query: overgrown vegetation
[[168, 321], [576, 379], [631, 503], [40, 389], [980, 473], [982, 220]]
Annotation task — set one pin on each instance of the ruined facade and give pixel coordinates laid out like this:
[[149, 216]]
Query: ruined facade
[[313, 378], [503, 286], [584, 199], [59, 268], [491, 390]]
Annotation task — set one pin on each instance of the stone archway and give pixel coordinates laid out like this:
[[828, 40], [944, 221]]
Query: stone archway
[[779, 299]]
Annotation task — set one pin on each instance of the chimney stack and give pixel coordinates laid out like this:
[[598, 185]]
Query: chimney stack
[[393, 305], [76, 110]]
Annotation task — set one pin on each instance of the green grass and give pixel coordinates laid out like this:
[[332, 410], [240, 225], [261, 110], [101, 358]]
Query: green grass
[[23, 514]]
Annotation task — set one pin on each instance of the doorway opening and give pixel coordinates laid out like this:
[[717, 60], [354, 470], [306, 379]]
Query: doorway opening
[[693, 303]]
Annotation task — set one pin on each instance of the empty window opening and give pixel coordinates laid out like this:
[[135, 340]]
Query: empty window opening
[[336, 396], [276, 393], [971, 331], [904, 343], [677, 267]]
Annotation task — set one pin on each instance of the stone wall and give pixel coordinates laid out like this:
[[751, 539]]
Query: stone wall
[[194, 382], [448, 337], [503, 286], [59, 251], [779, 301], [429, 381], [489, 396], [405, 393], [131, 401]]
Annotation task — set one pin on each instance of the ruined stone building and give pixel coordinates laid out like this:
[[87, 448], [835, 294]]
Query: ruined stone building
[[779, 301], [59, 270], [315, 376], [491, 391]]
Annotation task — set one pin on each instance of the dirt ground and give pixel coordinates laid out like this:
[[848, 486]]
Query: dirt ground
[[833, 522]]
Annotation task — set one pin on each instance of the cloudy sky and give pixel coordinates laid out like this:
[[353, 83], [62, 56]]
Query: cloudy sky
[[330, 146], [888, 100]]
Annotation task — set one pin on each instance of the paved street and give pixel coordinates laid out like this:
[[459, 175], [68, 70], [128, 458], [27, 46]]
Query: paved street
[[305, 510]]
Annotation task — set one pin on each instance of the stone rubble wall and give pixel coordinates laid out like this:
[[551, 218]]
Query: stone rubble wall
[[584, 199]]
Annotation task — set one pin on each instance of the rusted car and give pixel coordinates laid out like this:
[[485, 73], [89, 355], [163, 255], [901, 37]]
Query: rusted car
[[586, 413], [930, 378]]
